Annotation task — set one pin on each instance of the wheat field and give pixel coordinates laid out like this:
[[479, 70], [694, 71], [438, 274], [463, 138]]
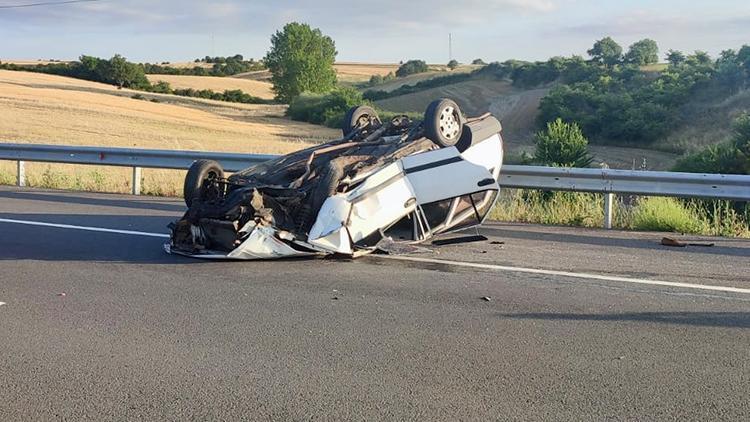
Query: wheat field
[[48, 109]]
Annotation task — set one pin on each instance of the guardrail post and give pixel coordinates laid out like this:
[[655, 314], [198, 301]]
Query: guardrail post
[[136, 180], [21, 174], [609, 199]]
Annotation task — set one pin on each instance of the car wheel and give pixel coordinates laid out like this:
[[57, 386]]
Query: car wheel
[[443, 122], [198, 172], [358, 116]]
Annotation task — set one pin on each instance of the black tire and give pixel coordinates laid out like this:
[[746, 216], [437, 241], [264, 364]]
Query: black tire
[[356, 116], [443, 122], [199, 171]]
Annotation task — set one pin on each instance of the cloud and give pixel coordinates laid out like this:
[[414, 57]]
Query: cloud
[[641, 22]]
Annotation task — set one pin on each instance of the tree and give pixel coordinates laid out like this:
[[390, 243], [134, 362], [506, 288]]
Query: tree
[[119, 71], [562, 145], [675, 58], [479, 62], [700, 58], [729, 71], [301, 60], [453, 64], [643, 52], [411, 67], [606, 51], [743, 57]]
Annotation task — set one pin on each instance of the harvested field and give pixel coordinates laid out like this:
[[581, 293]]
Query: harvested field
[[39, 108]]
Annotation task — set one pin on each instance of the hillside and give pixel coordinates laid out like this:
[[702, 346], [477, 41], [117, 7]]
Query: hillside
[[40, 108], [53, 109], [434, 72]]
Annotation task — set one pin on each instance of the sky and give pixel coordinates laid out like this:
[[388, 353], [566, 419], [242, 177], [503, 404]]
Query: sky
[[383, 31]]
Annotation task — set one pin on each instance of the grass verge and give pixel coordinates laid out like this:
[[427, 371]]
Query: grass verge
[[702, 217]]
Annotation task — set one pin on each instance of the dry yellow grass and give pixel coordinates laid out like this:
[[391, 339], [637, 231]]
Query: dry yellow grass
[[38, 108], [361, 72], [22, 62], [188, 65], [255, 88]]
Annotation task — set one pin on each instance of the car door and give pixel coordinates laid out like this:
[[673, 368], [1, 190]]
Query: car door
[[444, 173]]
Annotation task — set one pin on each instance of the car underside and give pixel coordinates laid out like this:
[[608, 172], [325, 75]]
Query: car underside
[[398, 180]]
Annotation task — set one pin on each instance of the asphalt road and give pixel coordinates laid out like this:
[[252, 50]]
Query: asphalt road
[[106, 326]]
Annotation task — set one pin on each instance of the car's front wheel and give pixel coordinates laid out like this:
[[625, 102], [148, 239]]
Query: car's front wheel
[[198, 172]]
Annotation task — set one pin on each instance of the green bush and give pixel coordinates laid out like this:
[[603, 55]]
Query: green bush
[[412, 67], [161, 87], [562, 145], [326, 109], [234, 96], [666, 214], [731, 157]]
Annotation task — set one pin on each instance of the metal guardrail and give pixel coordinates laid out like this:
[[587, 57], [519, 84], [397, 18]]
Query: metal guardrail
[[606, 181]]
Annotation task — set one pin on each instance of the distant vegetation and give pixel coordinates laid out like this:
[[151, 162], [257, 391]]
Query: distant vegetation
[[380, 79], [222, 66], [324, 109], [115, 71], [730, 157], [412, 67], [120, 72], [375, 95]]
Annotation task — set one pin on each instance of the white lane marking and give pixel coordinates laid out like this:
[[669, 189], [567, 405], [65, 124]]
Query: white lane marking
[[568, 274], [439, 261], [91, 229]]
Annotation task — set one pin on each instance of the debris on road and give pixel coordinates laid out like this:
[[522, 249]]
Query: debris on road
[[2, 303], [487, 299], [497, 242], [391, 247], [460, 239], [62, 294], [668, 241]]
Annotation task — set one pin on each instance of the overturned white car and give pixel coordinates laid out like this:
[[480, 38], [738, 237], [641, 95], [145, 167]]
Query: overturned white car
[[398, 180]]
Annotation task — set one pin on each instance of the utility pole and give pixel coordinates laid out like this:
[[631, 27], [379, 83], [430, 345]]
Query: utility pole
[[450, 47]]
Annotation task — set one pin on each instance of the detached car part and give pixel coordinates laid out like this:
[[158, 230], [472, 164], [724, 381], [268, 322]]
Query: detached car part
[[399, 180]]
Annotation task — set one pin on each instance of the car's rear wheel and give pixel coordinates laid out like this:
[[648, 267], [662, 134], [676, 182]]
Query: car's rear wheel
[[359, 116], [443, 122], [198, 172]]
